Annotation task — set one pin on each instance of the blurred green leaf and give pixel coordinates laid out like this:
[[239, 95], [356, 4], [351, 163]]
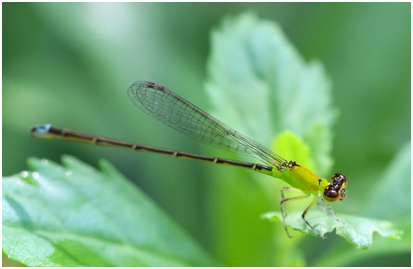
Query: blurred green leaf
[[260, 84], [74, 215], [357, 231]]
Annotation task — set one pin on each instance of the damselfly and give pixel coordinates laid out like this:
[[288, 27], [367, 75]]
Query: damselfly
[[173, 110]]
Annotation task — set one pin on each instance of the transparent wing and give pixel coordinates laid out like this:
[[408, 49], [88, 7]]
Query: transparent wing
[[180, 114]]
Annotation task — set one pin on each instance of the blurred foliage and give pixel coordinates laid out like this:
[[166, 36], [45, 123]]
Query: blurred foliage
[[260, 85], [70, 64]]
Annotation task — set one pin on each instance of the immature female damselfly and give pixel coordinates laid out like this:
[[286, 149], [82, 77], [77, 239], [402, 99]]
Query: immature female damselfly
[[173, 110]]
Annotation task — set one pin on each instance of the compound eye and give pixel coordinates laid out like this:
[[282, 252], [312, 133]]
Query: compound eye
[[330, 195], [339, 179]]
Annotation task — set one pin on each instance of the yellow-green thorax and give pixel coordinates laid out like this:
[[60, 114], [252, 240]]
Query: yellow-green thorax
[[301, 178]]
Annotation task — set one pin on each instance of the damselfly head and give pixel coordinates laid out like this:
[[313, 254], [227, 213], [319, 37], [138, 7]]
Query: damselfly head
[[336, 189]]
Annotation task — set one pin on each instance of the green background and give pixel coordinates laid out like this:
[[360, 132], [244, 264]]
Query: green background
[[70, 65]]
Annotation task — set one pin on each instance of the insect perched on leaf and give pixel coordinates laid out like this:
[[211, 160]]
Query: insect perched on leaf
[[173, 110]]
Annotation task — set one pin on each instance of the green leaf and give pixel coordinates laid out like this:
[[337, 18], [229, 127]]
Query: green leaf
[[358, 231], [261, 86], [291, 147], [74, 215]]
